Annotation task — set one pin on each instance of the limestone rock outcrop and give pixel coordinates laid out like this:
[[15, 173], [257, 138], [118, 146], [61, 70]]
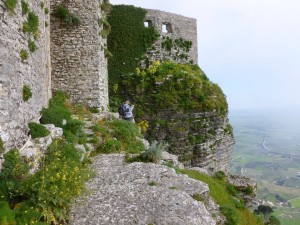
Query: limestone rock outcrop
[[202, 139], [140, 193]]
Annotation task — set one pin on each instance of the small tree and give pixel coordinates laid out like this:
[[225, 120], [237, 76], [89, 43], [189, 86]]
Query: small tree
[[263, 209]]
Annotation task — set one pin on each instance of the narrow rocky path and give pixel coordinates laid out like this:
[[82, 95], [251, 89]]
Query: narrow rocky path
[[140, 193]]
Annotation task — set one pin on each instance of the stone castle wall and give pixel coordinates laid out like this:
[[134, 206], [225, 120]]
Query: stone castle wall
[[173, 26], [79, 66], [34, 72]]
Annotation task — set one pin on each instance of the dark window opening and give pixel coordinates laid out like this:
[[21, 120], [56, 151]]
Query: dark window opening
[[166, 28], [148, 23]]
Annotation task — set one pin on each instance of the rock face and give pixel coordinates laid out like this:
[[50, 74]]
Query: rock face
[[246, 185], [140, 193], [79, 66], [34, 72], [199, 139]]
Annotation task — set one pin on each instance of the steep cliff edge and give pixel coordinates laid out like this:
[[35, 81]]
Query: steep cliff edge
[[177, 101]]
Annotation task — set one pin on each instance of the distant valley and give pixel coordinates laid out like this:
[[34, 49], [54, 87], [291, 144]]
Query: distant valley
[[268, 150]]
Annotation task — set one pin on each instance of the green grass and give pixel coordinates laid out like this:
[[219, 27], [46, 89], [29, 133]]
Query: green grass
[[295, 202], [117, 136], [11, 4], [287, 216], [229, 206], [25, 7]]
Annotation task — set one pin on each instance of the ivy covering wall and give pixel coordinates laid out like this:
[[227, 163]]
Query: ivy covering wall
[[127, 41]]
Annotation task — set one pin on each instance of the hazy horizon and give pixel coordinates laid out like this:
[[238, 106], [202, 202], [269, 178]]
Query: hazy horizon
[[250, 48]]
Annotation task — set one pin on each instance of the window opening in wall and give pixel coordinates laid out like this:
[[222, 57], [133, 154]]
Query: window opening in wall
[[148, 23], [166, 28]]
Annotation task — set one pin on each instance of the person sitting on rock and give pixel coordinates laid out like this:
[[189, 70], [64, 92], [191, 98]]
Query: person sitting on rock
[[125, 111]]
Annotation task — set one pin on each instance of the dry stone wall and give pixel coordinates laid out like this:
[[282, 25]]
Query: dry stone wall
[[34, 72], [175, 32], [79, 66]]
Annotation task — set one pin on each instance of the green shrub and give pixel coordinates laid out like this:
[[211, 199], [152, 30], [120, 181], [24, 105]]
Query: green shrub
[[23, 55], [57, 113], [220, 175], [167, 44], [32, 23], [42, 5], [45, 197], [153, 153], [248, 191], [27, 213], [61, 11], [73, 19], [25, 7], [7, 216], [61, 178], [64, 13], [27, 94], [37, 130], [11, 4], [70, 137], [46, 10], [2, 149], [32, 46], [14, 172], [73, 125]]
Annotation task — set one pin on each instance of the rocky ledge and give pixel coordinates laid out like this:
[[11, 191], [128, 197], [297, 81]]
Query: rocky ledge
[[141, 193]]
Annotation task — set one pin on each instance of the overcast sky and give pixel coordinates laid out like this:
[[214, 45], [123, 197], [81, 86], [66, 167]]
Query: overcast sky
[[251, 48]]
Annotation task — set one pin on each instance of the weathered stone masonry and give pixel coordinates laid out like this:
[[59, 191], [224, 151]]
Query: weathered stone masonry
[[14, 74], [79, 66], [76, 64], [173, 26]]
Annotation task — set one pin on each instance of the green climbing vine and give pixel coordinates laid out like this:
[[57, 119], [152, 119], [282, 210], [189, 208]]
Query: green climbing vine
[[128, 42]]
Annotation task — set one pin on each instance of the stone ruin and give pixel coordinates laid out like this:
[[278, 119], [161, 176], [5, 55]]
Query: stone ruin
[[68, 58]]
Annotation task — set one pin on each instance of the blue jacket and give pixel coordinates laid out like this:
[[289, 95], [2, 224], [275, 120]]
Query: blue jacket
[[127, 110]]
